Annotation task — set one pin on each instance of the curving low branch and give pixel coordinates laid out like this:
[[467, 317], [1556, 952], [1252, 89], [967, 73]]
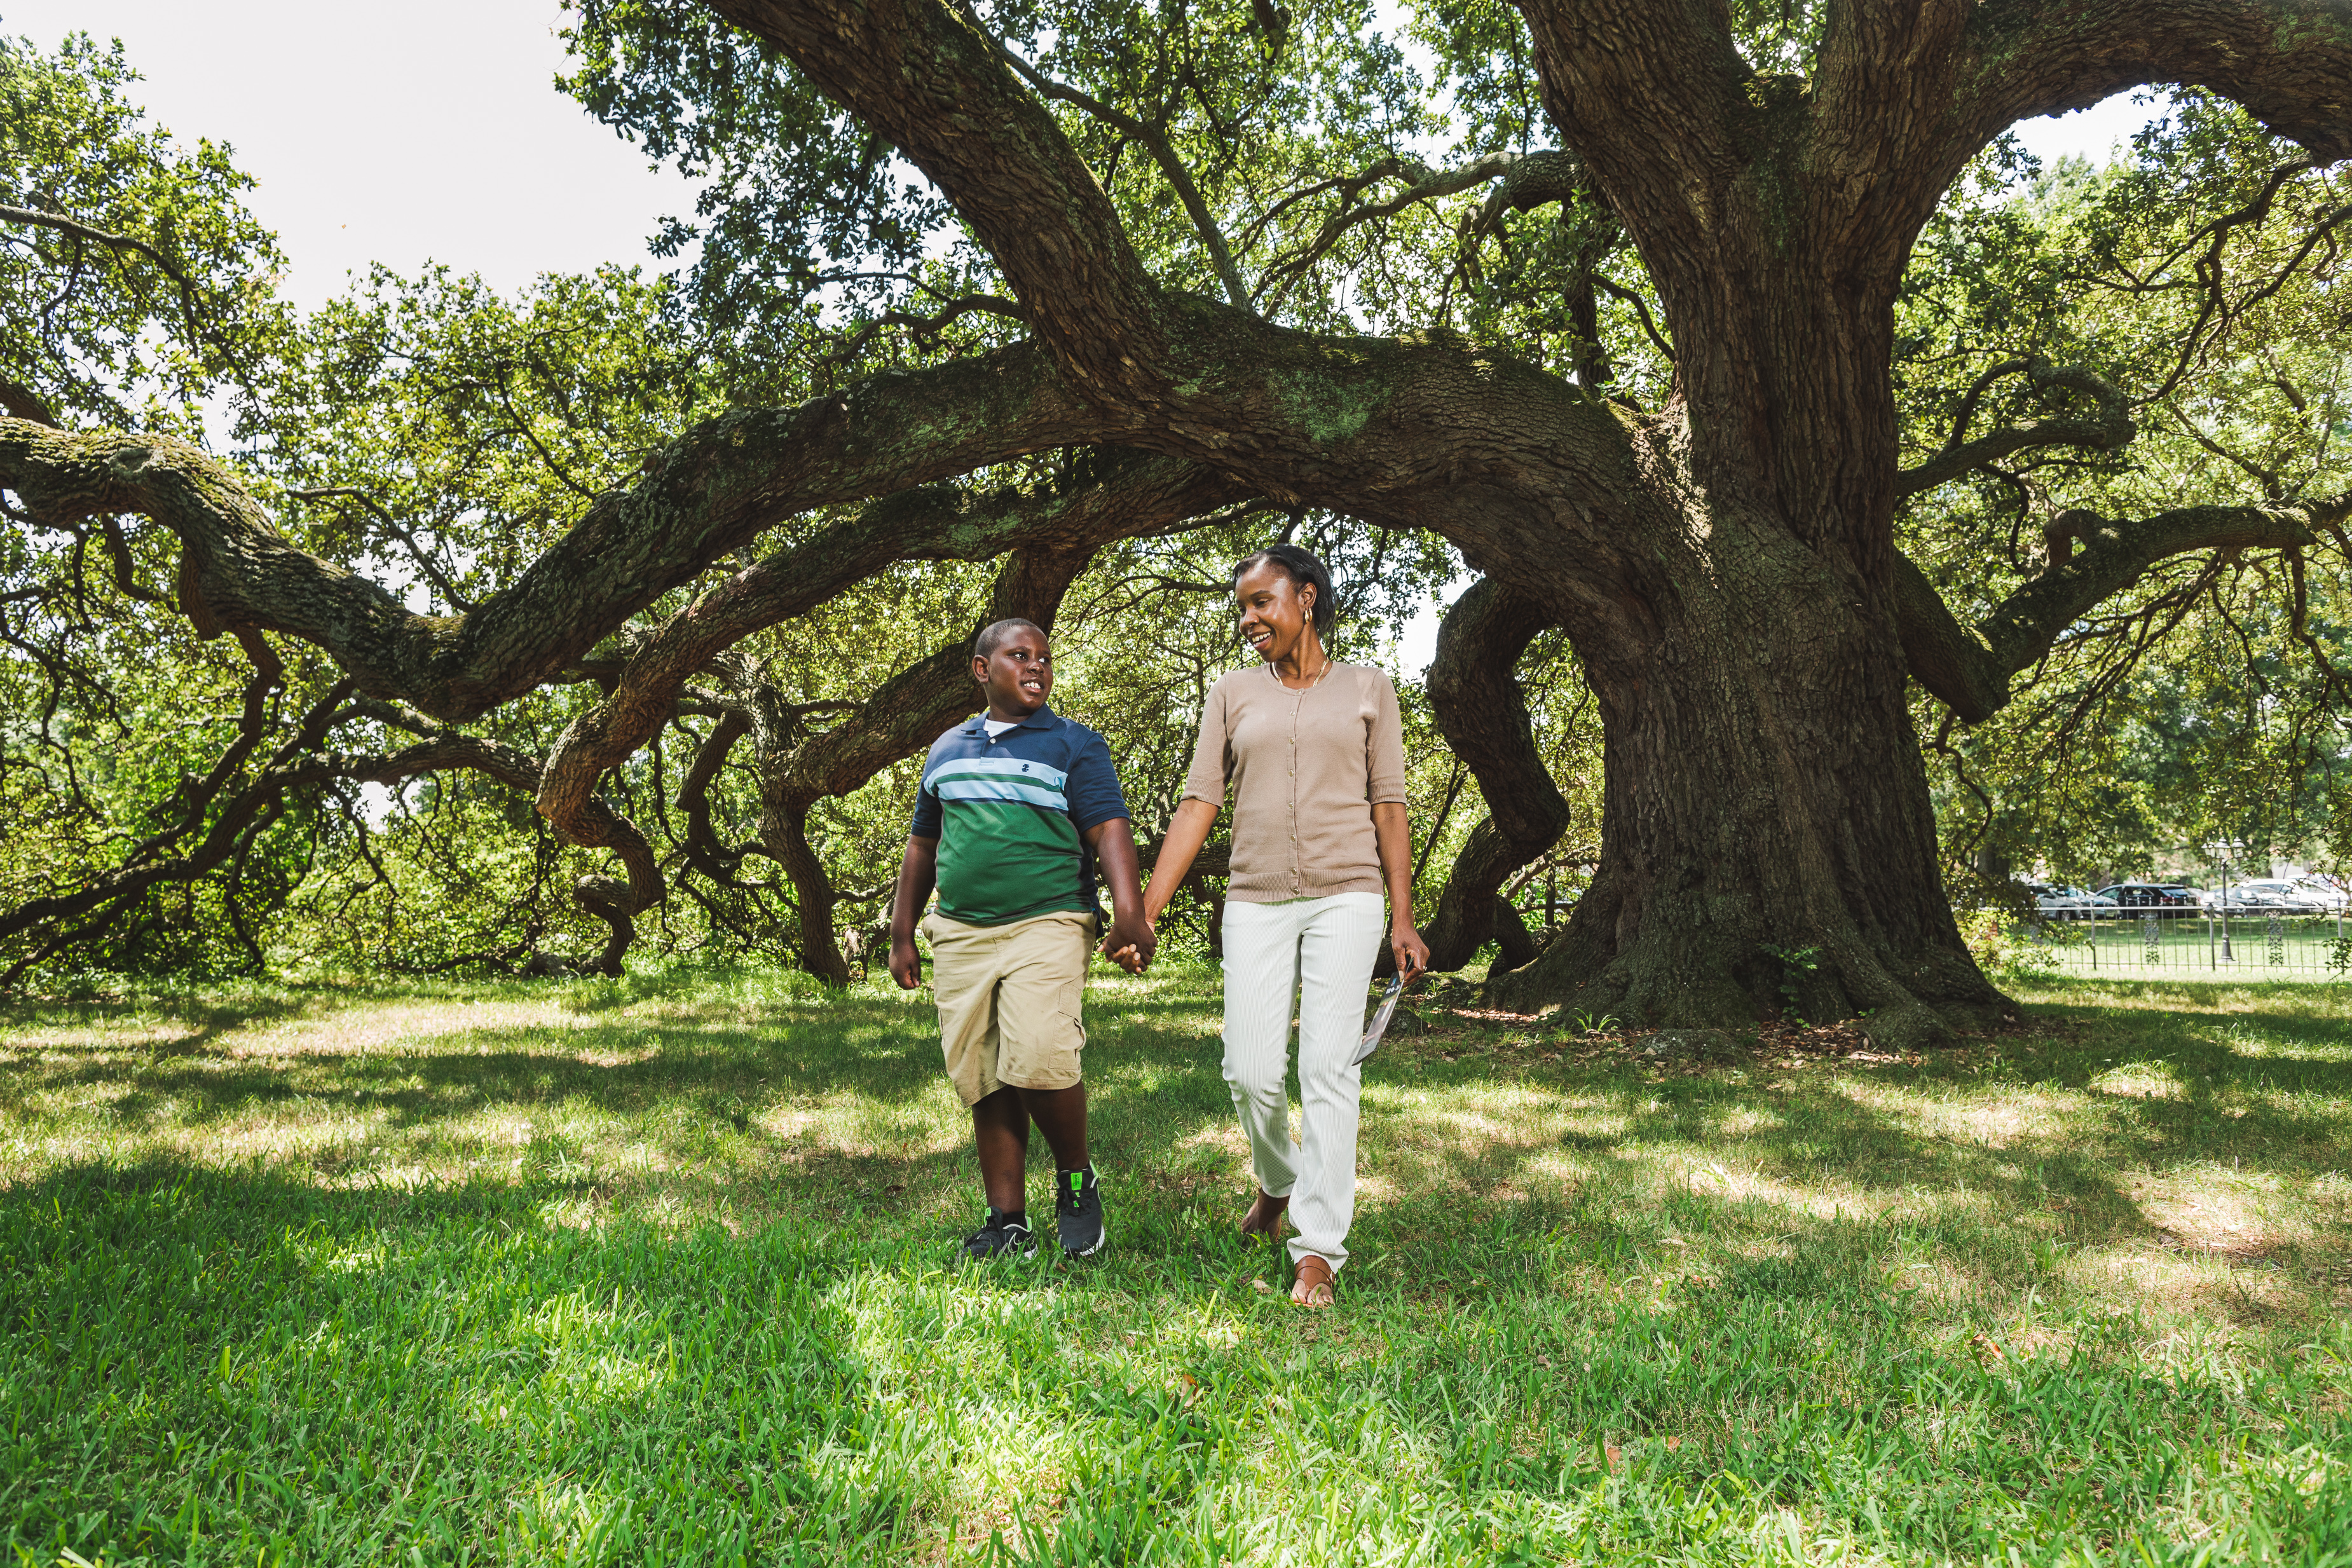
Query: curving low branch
[[1475, 695], [1118, 495], [707, 493]]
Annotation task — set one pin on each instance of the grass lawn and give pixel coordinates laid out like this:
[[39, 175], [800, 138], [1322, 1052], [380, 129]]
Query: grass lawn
[[659, 1270]]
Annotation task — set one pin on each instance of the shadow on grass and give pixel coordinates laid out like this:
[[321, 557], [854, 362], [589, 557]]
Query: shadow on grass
[[836, 1106], [2000, 1165], [510, 1365]]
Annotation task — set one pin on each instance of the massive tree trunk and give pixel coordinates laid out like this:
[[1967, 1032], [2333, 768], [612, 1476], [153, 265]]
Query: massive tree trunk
[[1766, 816]]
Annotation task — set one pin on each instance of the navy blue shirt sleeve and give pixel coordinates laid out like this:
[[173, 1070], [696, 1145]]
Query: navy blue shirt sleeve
[[1092, 787], [927, 808]]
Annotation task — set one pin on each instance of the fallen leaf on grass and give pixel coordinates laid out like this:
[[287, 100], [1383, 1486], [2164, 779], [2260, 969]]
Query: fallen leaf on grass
[[1616, 1456], [1260, 1285]]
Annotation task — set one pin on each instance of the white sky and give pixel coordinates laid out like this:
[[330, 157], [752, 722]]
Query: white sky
[[433, 133], [430, 131]]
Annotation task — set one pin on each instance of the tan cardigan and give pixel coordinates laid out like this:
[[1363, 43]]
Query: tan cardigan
[[1305, 768]]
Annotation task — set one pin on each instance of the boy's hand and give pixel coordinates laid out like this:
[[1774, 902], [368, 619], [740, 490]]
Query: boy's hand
[[905, 964], [1131, 941]]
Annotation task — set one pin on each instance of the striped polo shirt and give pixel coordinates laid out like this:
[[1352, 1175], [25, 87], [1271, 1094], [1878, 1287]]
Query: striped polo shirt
[[1009, 813]]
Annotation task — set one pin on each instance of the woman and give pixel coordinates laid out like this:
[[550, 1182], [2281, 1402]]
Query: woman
[[1315, 756]]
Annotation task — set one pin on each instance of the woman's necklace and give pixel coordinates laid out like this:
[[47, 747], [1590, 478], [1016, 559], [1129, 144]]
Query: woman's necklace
[[1277, 674]]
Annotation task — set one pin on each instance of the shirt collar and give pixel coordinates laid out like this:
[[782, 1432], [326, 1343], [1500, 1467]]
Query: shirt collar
[[1044, 718]]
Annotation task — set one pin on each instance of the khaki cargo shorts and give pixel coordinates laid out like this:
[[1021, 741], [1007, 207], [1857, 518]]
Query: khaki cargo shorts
[[1009, 1000]]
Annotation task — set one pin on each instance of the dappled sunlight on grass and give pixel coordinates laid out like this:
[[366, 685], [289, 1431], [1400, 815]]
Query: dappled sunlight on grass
[[659, 1269]]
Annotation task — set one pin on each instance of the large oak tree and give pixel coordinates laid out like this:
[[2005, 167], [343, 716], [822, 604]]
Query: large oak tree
[[1163, 214]]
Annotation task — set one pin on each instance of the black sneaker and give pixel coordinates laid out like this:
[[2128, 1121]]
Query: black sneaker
[[1003, 1236], [1077, 1211]]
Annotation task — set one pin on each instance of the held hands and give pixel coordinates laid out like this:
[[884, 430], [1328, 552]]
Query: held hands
[[1131, 944], [1411, 953]]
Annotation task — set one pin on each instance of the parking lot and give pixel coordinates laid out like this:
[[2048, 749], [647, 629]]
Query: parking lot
[[2296, 948]]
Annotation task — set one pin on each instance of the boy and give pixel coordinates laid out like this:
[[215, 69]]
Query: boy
[[1015, 809]]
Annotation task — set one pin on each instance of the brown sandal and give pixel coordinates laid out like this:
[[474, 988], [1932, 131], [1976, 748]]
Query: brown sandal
[[1313, 1274]]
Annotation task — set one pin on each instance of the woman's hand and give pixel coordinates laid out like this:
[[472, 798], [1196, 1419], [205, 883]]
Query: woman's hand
[[1411, 953], [1392, 835]]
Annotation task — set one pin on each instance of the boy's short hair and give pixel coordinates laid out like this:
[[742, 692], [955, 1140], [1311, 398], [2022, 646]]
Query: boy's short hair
[[992, 635]]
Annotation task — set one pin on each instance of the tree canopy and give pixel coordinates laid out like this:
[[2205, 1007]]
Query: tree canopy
[[1853, 507]]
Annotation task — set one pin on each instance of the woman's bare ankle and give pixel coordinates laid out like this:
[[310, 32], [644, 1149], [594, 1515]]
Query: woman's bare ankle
[[1265, 1215]]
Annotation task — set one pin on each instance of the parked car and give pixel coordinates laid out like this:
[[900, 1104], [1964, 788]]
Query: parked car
[[2331, 899], [2080, 903], [2166, 900], [2275, 894]]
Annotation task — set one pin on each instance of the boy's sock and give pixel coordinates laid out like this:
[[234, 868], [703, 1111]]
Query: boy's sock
[[1077, 1211]]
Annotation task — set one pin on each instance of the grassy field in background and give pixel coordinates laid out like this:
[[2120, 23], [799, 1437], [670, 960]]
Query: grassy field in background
[[659, 1270], [2238, 951]]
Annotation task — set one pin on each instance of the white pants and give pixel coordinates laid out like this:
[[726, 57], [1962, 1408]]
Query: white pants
[[1321, 951]]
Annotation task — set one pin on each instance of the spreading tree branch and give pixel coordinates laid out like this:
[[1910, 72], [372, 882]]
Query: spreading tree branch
[[2110, 430], [1968, 668], [2286, 61], [706, 495]]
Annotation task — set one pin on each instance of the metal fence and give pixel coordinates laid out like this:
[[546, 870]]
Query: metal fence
[[2244, 946]]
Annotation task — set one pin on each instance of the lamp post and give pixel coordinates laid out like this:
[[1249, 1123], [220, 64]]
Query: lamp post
[[2221, 852]]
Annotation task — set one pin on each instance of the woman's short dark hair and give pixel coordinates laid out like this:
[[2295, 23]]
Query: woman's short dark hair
[[1302, 567]]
